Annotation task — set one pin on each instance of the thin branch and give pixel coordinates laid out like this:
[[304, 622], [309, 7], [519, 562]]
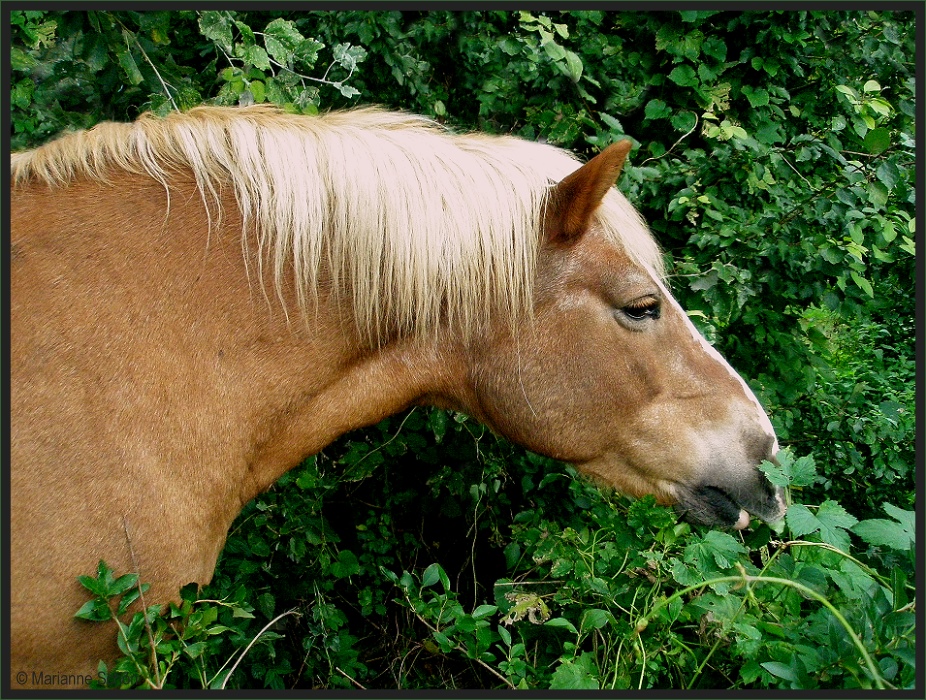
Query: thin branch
[[336, 668], [165, 85], [248, 647], [672, 148], [459, 648], [144, 605]]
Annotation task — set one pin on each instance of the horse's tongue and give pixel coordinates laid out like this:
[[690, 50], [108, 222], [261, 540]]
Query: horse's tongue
[[742, 521]]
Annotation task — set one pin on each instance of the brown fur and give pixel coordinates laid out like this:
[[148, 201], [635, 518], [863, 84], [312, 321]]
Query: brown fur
[[155, 390]]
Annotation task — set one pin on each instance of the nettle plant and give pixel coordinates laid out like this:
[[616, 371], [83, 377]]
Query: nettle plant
[[594, 591]]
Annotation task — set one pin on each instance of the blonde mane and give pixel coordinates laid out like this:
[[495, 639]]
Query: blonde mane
[[423, 227]]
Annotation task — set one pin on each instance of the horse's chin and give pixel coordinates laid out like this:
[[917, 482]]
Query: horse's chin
[[717, 507]]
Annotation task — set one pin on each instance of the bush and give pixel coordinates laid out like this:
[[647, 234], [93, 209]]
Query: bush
[[775, 163]]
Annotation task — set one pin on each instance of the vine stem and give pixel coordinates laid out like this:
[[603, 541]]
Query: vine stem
[[809, 592], [248, 647]]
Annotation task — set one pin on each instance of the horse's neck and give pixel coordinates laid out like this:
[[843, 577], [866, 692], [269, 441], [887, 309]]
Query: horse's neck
[[159, 337]]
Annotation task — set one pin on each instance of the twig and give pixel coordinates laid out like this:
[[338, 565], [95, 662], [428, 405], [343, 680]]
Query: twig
[[164, 85], [336, 668], [144, 605], [672, 148], [248, 647], [459, 648]]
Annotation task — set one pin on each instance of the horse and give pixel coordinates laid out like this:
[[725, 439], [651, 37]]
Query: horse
[[200, 301]]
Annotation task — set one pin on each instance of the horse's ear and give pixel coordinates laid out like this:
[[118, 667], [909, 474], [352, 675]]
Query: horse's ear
[[573, 200]]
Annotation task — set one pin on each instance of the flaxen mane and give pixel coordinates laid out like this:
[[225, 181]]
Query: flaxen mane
[[422, 226]]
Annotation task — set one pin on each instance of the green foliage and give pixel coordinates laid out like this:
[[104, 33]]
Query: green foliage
[[775, 161]]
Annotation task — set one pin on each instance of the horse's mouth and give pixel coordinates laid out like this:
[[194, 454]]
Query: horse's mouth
[[717, 507]]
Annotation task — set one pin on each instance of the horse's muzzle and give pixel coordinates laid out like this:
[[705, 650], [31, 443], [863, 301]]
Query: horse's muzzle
[[731, 505]]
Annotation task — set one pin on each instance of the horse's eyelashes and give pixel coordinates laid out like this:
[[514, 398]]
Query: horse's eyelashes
[[641, 311]]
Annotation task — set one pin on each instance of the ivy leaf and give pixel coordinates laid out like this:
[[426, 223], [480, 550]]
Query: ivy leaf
[[897, 534]]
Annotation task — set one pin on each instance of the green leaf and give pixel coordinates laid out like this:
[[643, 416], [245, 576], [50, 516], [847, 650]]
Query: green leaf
[[432, 575], [437, 421], [122, 584], [445, 644], [715, 48], [683, 121], [612, 123], [216, 26], [595, 618], [899, 533], [346, 565], [657, 109], [573, 66], [127, 61], [195, 649], [484, 611], [94, 610], [877, 140], [684, 75], [571, 676], [830, 521], [757, 98], [561, 622], [790, 471], [780, 670], [877, 194], [862, 283], [888, 173], [282, 39], [257, 57]]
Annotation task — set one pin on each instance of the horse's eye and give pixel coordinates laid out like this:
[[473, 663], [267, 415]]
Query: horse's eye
[[644, 309]]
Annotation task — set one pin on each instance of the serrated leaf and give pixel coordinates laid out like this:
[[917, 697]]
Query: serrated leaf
[[571, 676], [257, 57], [657, 109], [282, 39], [830, 521], [684, 76], [899, 533], [612, 123], [216, 26]]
